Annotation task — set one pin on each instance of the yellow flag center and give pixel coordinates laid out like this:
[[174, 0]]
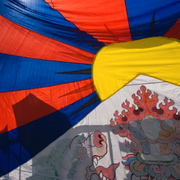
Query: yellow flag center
[[119, 63]]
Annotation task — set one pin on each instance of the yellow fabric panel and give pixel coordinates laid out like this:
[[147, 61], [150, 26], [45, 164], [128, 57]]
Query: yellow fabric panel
[[117, 64]]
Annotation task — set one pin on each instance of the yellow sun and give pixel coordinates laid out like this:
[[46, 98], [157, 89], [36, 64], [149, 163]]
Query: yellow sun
[[119, 63]]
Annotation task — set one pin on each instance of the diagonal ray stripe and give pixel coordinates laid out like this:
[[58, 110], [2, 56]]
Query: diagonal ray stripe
[[38, 16], [91, 16], [48, 95], [140, 16], [19, 73], [26, 43]]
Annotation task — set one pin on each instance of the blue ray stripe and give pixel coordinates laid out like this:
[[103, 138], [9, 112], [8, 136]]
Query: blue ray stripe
[[20, 145], [19, 73], [140, 15], [17, 146], [68, 110], [38, 16]]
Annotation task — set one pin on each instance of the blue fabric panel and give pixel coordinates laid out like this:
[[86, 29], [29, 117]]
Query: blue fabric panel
[[140, 16], [20, 145], [68, 110], [80, 115], [38, 16], [19, 73]]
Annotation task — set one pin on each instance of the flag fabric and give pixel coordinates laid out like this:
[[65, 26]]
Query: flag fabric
[[134, 134], [58, 62]]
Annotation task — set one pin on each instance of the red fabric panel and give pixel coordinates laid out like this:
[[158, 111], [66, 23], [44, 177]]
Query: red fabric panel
[[26, 43], [40, 102], [106, 20], [174, 31]]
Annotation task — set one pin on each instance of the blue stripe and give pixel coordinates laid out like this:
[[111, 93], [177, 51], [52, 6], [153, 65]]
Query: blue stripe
[[38, 16], [19, 73], [140, 14], [20, 145], [17, 146], [68, 110]]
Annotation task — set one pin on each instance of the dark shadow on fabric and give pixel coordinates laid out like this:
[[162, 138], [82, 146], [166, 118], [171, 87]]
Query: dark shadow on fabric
[[21, 144], [86, 165], [31, 108]]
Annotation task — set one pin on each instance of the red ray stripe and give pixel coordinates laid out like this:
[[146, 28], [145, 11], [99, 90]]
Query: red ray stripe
[[19, 41], [40, 102], [105, 20]]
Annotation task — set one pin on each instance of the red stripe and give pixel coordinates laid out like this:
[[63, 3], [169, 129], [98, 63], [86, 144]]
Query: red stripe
[[19, 41], [35, 103], [105, 20]]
